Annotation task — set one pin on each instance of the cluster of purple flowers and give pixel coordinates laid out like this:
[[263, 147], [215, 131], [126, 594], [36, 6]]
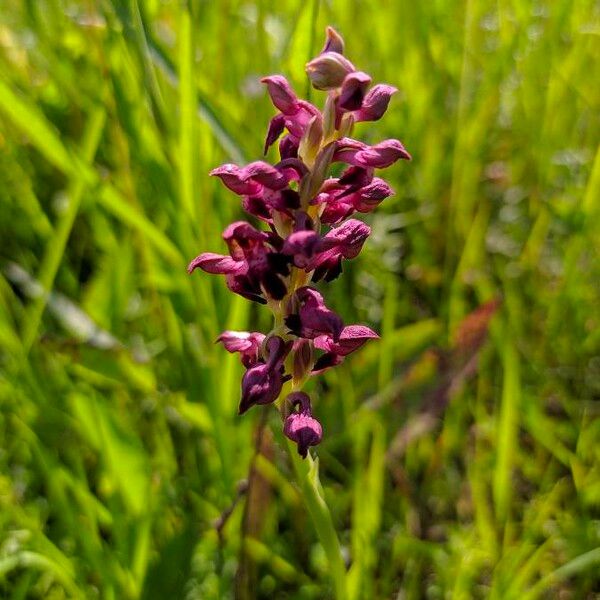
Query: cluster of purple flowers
[[295, 197]]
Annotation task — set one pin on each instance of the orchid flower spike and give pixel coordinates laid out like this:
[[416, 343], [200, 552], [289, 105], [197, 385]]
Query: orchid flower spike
[[307, 236]]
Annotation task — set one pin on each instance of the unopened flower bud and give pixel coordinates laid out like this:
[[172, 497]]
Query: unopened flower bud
[[329, 115], [303, 358], [320, 168], [328, 70]]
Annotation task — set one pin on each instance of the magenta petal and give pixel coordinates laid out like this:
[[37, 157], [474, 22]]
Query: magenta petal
[[351, 338], [346, 149], [257, 207], [217, 264], [241, 341], [302, 246], [336, 211], [277, 349], [337, 206], [345, 241], [244, 342], [353, 90], [261, 385], [276, 127], [297, 122], [356, 177], [328, 70], [288, 146], [293, 169], [348, 238], [314, 318], [375, 103], [326, 362], [379, 156], [265, 174], [282, 94], [370, 196], [233, 177], [241, 237], [245, 287], [383, 155]]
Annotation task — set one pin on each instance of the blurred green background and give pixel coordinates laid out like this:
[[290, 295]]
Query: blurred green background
[[461, 451]]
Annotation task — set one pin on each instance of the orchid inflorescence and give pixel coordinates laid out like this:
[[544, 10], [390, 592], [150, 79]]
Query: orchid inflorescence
[[295, 198]]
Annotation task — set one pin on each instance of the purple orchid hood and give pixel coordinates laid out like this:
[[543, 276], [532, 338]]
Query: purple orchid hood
[[308, 232]]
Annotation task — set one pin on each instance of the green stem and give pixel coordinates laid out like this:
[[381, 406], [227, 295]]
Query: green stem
[[307, 475]]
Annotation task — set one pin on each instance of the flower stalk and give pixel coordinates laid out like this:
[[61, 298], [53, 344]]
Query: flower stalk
[[307, 475], [309, 234]]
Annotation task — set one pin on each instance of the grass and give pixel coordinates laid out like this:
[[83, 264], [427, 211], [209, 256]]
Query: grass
[[460, 456]]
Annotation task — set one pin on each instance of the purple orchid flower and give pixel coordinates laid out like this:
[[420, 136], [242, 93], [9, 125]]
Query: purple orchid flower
[[300, 426], [313, 317], [246, 343], [342, 202], [295, 113], [294, 197], [359, 154], [263, 381], [264, 188], [252, 268], [345, 241], [304, 243], [375, 103], [351, 338]]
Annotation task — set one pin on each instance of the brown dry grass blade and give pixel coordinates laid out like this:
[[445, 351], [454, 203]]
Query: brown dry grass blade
[[458, 365]]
